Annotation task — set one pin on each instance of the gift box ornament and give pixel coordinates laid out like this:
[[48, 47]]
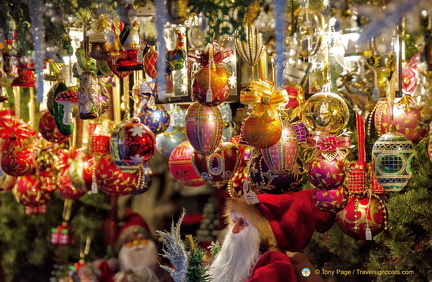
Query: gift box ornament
[[62, 235]]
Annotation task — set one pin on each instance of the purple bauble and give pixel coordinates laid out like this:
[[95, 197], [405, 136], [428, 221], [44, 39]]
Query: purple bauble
[[327, 175], [331, 201], [155, 117]]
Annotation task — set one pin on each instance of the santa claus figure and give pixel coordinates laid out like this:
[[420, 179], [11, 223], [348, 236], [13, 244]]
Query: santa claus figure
[[263, 240]]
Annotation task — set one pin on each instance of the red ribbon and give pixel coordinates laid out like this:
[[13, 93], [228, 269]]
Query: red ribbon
[[220, 56], [13, 130], [328, 143]]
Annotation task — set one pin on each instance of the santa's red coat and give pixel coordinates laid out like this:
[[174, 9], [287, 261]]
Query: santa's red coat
[[273, 266]]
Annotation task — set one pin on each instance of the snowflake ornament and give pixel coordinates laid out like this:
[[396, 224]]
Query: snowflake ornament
[[137, 130]]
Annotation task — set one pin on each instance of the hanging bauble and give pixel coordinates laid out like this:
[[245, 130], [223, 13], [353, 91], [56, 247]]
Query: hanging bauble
[[169, 139], [406, 119], [66, 189], [210, 87], [361, 213], [308, 28], [92, 98], [7, 181], [181, 168], [156, 117], [136, 144], [27, 191], [262, 132], [48, 128], [17, 160], [325, 174], [280, 157], [325, 112], [331, 201], [145, 174], [265, 181], [238, 185], [113, 67], [392, 156], [25, 78], [218, 167], [112, 180], [129, 36], [80, 172], [204, 127], [149, 62]]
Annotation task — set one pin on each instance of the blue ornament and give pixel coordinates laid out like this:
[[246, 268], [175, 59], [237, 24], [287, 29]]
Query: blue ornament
[[156, 117], [168, 140]]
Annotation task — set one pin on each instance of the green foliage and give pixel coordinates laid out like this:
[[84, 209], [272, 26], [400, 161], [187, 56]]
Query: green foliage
[[196, 271]]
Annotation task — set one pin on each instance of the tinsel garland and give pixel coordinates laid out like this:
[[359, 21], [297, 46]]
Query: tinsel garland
[[38, 32], [279, 13], [161, 46]]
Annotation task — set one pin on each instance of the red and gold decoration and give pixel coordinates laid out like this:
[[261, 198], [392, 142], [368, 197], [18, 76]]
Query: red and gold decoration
[[326, 175], [331, 201], [48, 128], [28, 193], [62, 234], [181, 168], [218, 167], [80, 171], [204, 127], [149, 62], [25, 78]]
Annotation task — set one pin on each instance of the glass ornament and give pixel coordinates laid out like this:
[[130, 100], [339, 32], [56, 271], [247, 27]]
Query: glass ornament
[[392, 155], [331, 201], [48, 128], [169, 139], [325, 174], [27, 191], [156, 117], [210, 87], [80, 171], [325, 112], [262, 132]]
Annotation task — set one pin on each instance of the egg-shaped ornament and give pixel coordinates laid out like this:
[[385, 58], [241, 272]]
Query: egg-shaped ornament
[[325, 112], [393, 154], [181, 168], [49, 130], [149, 62], [406, 118], [136, 143], [262, 132], [263, 180], [331, 201], [308, 29], [281, 157], [245, 152], [211, 87], [80, 172], [155, 116], [28, 193], [325, 174], [363, 217], [169, 139], [204, 127], [112, 181], [218, 167]]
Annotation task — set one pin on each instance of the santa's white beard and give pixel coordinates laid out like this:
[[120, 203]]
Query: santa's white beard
[[237, 256], [136, 256]]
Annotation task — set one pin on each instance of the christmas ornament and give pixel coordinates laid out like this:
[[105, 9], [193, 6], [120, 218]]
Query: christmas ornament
[[45, 163], [180, 165], [331, 201], [80, 171], [99, 51], [330, 147], [100, 137], [115, 182], [149, 62], [238, 185], [146, 174], [301, 131], [113, 67], [48, 128], [249, 44], [406, 118], [392, 155], [57, 109], [69, 100], [153, 115], [325, 112], [324, 174], [245, 152], [204, 127], [280, 157], [92, 96], [363, 217], [176, 57], [62, 235], [410, 80], [218, 167], [129, 36], [264, 180], [169, 139], [262, 132], [25, 78], [28, 193], [66, 189], [131, 60]]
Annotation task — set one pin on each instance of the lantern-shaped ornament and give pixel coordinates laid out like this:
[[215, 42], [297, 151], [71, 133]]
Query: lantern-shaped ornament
[[325, 112], [169, 139], [392, 155], [181, 168], [218, 167], [204, 127], [363, 217], [331, 201], [280, 157], [325, 174], [28, 193]]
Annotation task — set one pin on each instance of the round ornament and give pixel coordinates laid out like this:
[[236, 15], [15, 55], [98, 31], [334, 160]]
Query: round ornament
[[149, 62], [156, 117], [7, 181], [210, 87], [264, 180], [80, 172], [27, 191], [406, 119], [181, 168], [360, 213], [262, 132], [325, 112], [66, 189], [392, 155], [204, 127], [331, 201], [169, 139], [48, 128], [17, 161], [280, 157], [218, 167], [112, 180], [325, 174]]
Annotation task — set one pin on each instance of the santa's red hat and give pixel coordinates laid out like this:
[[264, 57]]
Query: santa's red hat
[[286, 221], [135, 224]]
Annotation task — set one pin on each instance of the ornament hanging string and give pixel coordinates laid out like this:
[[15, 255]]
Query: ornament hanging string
[[38, 31]]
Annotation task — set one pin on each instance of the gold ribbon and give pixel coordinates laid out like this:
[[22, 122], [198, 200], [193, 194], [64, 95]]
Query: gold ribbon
[[262, 96]]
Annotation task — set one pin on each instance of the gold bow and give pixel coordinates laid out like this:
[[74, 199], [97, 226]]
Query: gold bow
[[262, 96]]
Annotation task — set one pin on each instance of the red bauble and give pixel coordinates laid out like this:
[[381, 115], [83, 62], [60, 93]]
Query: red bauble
[[27, 191], [360, 213], [331, 201], [48, 128], [214, 79], [245, 152], [17, 160], [262, 132], [406, 119], [327, 175], [204, 127], [112, 180], [180, 165], [66, 189], [238, 185], [80, 172], [149, 63], [218, 167]]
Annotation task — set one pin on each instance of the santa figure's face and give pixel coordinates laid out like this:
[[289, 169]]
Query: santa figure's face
[[239, 252], [137, 252]]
